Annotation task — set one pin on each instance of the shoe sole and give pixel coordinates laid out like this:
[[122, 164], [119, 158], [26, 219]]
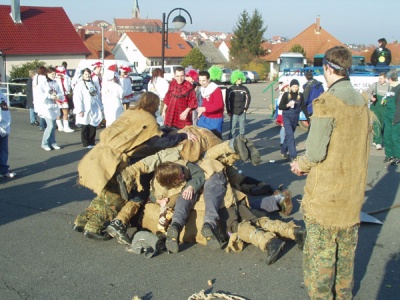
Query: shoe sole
[[287, 203], [255, 157], [241, 149], [123, 240], [212, 241], [171, 243], [273, 258]]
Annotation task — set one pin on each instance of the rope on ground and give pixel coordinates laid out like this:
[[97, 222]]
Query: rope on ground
[[215, 296]]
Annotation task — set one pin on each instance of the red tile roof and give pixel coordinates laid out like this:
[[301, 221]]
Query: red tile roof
[[314, 40], [44, 30], [149, 43], [93, 43], [138, 22]]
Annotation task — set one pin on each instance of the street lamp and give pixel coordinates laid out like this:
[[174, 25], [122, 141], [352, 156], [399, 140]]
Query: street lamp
[[102, 43], [179, 22]]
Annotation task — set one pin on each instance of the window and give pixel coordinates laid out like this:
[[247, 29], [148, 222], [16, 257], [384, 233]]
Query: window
[[181, 46]]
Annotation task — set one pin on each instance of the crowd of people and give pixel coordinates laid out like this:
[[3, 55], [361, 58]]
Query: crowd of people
[[173, 177]]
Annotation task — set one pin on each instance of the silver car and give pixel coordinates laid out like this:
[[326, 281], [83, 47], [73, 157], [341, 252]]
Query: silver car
[[251, 76]]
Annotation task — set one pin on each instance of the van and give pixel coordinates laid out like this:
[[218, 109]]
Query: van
[[169, 71], [137, 81]]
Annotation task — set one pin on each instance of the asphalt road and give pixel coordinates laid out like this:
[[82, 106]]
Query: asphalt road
[[41, 257]]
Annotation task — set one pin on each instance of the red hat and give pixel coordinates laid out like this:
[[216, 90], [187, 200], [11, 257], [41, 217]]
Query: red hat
[[61, 70], [193, 74], [97, 64], [113, 68], [126, 69]]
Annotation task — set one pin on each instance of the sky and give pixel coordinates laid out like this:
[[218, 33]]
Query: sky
[[350, 21]]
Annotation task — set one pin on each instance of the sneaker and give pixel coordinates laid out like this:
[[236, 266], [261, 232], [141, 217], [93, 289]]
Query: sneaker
[[209, 233], [395, 162], [388, 160], [172, 242], [9, 175], [255, 157], [89, 147], [274, 247], [55, 147], [96, 236], [46, 148], [285, 155], [300, 236], [117, 230], [78, 228], [378, 147], [241, 149], [285, 204]]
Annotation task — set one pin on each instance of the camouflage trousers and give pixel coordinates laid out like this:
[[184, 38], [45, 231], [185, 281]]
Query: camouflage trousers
[[101, 210], [328, 261]]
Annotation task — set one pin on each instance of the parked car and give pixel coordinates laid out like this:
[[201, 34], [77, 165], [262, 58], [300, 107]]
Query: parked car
[[17, 92], [251, 76], [226, 75], [146, 78], [169, 71]]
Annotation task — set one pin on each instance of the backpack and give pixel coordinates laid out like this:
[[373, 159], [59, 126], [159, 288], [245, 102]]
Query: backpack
[[316, 89]]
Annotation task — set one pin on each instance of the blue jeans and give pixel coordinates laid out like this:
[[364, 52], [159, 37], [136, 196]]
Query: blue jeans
[[32, 115], [289, 144], [4, 168], [234, 120], [214, 193], [49, 134], [42, 123]]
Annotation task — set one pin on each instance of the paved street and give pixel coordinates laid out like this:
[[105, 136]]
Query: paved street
[[41, 257]]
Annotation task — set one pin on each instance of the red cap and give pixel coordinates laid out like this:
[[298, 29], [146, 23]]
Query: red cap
[[97, 64], [193, 74], [61, 70], [113, 68], [126, 69]]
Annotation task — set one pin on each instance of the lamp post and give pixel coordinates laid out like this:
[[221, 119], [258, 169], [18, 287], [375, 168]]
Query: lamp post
[[179, 22]]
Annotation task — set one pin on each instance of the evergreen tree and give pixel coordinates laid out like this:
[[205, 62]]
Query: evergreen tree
[[299, 49], [248, 36], [196, 59]]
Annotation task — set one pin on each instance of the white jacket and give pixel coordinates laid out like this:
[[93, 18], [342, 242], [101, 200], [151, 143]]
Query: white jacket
[[44, 104], [112, 95], [5, 116], [89, 105], [159, 87]]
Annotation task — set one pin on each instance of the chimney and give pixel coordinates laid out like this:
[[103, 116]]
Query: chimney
[[318, 25], [82, 33], [16, 11]]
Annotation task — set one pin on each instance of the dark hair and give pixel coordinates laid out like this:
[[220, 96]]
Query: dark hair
[[86, 69], [64, 64], [383, 42], [169, 174], [341, 57], [42, 70], [204, 73], [157, 72], [309, 75], [179, 69]]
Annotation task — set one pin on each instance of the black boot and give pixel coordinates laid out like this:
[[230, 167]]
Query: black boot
[[97, 236], [300, 236], [274, 247], [117, 230], [241, 149], [255, 157], [172, 242], [212, 239]]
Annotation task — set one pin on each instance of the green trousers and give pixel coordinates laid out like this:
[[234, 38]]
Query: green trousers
[[328, 261]]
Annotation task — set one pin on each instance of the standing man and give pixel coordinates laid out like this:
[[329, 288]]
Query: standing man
[[381, 56], [5, 121], [311, 90], [237, 103], [29, 99], [211, 112], [335, 186], [179, 102], [376, 93]]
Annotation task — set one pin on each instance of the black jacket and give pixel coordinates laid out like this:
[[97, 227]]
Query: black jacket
[[237, 99]]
